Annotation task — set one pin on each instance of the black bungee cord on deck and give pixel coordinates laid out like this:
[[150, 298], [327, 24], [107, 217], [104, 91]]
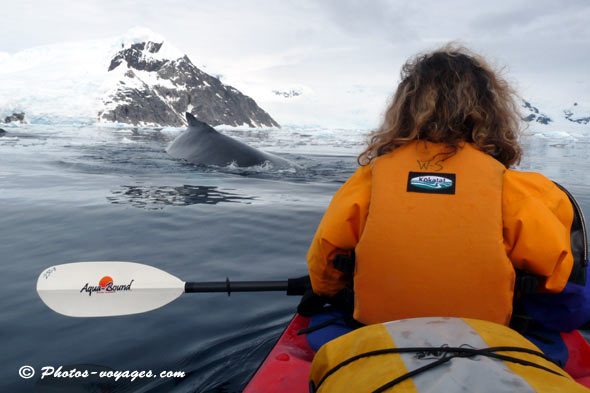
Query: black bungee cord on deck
[[450, 353]]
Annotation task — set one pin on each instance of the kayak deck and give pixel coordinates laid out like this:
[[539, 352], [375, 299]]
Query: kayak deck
[[286, 367]]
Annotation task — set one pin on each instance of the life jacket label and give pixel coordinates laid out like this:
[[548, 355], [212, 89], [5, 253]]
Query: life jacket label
[[431, 182]]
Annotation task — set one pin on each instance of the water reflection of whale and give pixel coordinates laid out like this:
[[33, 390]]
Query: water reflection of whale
[[151, 197], [201, 144]]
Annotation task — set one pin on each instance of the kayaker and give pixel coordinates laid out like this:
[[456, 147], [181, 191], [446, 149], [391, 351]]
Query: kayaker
[[436, 221]]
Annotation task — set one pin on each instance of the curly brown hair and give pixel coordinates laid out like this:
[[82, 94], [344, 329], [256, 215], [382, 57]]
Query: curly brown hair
[[450, 96]]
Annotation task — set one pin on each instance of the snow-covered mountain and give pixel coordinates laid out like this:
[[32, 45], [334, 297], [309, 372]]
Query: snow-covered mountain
[[544, 119], [141, 78], [532, 114], [578, 113], [137, 79], [157, 90]]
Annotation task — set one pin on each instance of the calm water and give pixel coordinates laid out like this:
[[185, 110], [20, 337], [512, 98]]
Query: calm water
[[88, 194]]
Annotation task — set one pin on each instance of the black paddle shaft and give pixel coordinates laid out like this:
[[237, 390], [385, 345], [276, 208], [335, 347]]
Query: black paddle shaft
[[293, 286]]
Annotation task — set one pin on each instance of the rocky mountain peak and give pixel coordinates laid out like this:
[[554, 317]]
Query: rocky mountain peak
[[16, 117], [154, 90], [136, 58], [534, 114]]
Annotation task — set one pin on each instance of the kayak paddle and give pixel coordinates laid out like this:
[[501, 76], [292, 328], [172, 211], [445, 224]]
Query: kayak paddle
[[101, 289]]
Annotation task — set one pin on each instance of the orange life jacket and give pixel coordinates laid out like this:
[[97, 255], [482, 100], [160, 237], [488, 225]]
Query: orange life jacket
[[438, 235], [433, 242]]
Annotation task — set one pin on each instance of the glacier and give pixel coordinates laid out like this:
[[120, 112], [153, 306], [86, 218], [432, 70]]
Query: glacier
[[64, 83]]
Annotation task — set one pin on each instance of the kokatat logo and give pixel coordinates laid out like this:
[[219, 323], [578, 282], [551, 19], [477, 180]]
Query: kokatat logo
[[105, 285], [431, 182]]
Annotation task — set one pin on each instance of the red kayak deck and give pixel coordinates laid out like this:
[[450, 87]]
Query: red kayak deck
[[286, 368], [578, 364]]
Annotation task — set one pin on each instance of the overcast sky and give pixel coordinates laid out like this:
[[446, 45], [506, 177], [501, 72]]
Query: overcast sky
[[335, 48]]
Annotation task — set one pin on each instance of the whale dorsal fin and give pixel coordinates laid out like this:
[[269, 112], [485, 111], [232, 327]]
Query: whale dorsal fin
[[192, 121], [201, 125]]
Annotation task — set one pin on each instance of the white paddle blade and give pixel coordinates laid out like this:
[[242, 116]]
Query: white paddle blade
[[101, 289]]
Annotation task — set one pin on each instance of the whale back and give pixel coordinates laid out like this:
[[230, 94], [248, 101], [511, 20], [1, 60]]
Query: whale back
[[202, 144]]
